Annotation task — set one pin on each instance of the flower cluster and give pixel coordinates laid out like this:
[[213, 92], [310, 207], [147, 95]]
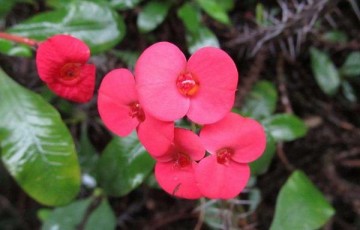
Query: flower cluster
[[61, 61], [211, 162]]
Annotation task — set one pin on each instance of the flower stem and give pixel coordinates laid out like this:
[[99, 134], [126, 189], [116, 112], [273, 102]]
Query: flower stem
[[18, 39]]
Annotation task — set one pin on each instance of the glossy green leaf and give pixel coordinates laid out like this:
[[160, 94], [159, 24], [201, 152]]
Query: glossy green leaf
[[124, 4], [285, 127], [95, 23], [300, 205], [203, 37], [12, 49], [37, 148], [335, 36], [261, 101], [351, 66], [190, 16], [325, 72], [215, 9], [93, 213], [261, 165], [123, 165], [102, 217], [152, 15]]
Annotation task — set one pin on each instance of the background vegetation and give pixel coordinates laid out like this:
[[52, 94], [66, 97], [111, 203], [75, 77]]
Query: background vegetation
[[299, 64]]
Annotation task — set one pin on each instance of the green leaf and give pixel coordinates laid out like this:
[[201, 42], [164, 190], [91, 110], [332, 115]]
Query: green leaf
[[71, 216], [190, 16], [216, 10], [300, 205], [59, 3], [326, 74], [203, 37], [285, 127], [351, 66], [226, 5], [102, 216], [349, 92], [261, 101], [43, 214], [95, 23], [123, 166], [67, 217], [335, 36], [259, 12], [12, 49], [152, 15], [88, 158], [261, 165], [124, 4], [37, 148]]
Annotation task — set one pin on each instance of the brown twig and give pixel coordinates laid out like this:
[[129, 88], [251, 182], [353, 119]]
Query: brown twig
[[347, 190], [284, 98], [251, 77], [288, 32], [201, 215], [282, 156]]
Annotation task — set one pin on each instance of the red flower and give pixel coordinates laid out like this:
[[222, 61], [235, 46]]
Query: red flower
[[176, 175], [61, 63], [233, 142], [170, 87], [122, 113]]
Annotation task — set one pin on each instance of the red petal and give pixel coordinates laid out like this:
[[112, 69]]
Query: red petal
[[217, 75], [157, 137], [82, 91], [213, 68], [117, 91], [177, 181], [189, 143], [220, 181], [56, 51], [156, 72], [210, 105], [246, 137]]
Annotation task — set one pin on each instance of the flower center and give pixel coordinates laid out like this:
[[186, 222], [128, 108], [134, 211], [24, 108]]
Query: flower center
[[182, 160], [136, 111], [70, 71], [223, 155], [187, 84]]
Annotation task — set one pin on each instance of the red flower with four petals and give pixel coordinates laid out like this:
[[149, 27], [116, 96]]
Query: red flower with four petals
[[232, 142], [171, 87], [61, 62]]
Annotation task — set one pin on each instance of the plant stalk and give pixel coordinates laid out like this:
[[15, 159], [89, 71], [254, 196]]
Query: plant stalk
[[18, 39]]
